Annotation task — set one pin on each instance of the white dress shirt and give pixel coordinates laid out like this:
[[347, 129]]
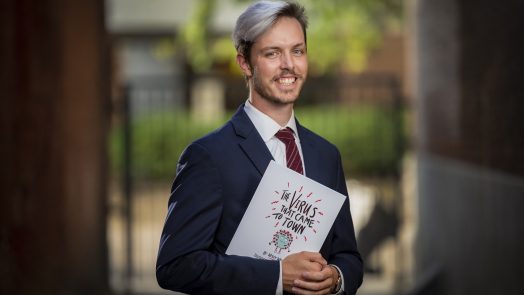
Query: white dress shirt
[[267, 128]]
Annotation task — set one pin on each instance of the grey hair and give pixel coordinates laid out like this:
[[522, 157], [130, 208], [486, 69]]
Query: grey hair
[[261, 16]]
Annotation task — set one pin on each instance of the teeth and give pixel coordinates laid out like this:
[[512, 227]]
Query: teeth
[[286, 81]]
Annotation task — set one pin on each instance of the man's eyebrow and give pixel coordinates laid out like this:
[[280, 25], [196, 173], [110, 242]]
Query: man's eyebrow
[[301, 44], [270, 48]]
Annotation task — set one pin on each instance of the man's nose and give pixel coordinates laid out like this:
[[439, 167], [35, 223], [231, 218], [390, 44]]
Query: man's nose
[[286, 61]]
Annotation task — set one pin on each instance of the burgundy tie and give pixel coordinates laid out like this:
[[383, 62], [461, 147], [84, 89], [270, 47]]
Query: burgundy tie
[[292, 155]]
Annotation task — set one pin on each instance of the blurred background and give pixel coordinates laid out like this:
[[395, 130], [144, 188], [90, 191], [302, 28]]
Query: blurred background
[[424, 99]]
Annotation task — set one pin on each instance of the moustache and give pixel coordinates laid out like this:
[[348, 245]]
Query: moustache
[[287, 74]]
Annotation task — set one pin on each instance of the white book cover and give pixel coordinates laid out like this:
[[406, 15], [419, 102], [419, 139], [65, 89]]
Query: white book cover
[[288, 213]]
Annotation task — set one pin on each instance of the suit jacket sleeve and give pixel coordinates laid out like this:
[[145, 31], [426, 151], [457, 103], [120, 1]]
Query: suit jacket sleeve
[[344, 252], [188, 261]]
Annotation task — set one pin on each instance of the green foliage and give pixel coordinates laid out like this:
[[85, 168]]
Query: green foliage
[[157, 141], [195, 37], [338, 38], [369, 138], [366, 137], [341, 34]]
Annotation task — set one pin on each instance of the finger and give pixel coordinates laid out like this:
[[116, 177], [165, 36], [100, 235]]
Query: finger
[[309, 292], [318, 258], [316, 276], [312, 285], [304, 287], [297, 290]]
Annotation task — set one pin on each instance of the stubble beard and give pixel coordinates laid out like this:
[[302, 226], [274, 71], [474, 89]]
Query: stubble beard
[[265, 94]]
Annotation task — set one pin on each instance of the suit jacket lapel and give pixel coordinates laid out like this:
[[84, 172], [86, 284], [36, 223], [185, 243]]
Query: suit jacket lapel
[[312, 156], [252, 144]]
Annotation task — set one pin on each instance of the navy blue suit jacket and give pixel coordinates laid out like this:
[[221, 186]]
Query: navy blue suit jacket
[[216, 177]]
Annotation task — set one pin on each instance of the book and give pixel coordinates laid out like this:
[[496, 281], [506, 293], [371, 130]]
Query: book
[[288, 213]]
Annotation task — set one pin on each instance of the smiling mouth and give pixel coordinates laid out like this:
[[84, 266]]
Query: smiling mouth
[[286, 80]]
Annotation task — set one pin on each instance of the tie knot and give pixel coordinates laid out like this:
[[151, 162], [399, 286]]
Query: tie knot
[[285, 135]]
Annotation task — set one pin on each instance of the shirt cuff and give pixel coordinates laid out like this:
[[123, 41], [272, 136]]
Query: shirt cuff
[[280, 288], [342, 278]]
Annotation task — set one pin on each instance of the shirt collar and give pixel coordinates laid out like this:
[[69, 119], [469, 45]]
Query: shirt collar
[[266, 126]]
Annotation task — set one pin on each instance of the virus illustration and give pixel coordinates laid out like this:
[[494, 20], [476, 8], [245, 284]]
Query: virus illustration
[[282, 240]]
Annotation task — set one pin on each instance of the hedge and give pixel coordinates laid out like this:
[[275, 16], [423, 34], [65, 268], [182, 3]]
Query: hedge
[[369, 138]]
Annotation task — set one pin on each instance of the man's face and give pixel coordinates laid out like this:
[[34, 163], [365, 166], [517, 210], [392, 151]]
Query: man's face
[[279, 63]]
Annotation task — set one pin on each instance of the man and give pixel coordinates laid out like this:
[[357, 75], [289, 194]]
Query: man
[[217, 175]]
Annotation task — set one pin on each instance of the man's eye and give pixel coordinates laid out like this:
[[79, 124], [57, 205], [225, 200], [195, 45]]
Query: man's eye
[[271, 54], [298, 52]]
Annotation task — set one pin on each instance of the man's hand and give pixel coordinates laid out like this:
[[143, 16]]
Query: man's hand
[[295, 265], [321, 282], [307, 273]]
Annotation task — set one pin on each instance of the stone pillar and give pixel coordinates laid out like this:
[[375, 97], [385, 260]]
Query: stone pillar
[[53, 121], [470, 133]]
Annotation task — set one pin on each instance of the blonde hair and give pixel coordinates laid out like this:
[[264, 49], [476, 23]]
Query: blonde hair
[[259, 17]]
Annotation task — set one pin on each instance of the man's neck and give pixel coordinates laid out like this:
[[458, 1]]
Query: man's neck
[[281, 113]]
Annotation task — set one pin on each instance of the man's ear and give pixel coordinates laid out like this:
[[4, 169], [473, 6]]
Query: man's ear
[[244, 65]]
